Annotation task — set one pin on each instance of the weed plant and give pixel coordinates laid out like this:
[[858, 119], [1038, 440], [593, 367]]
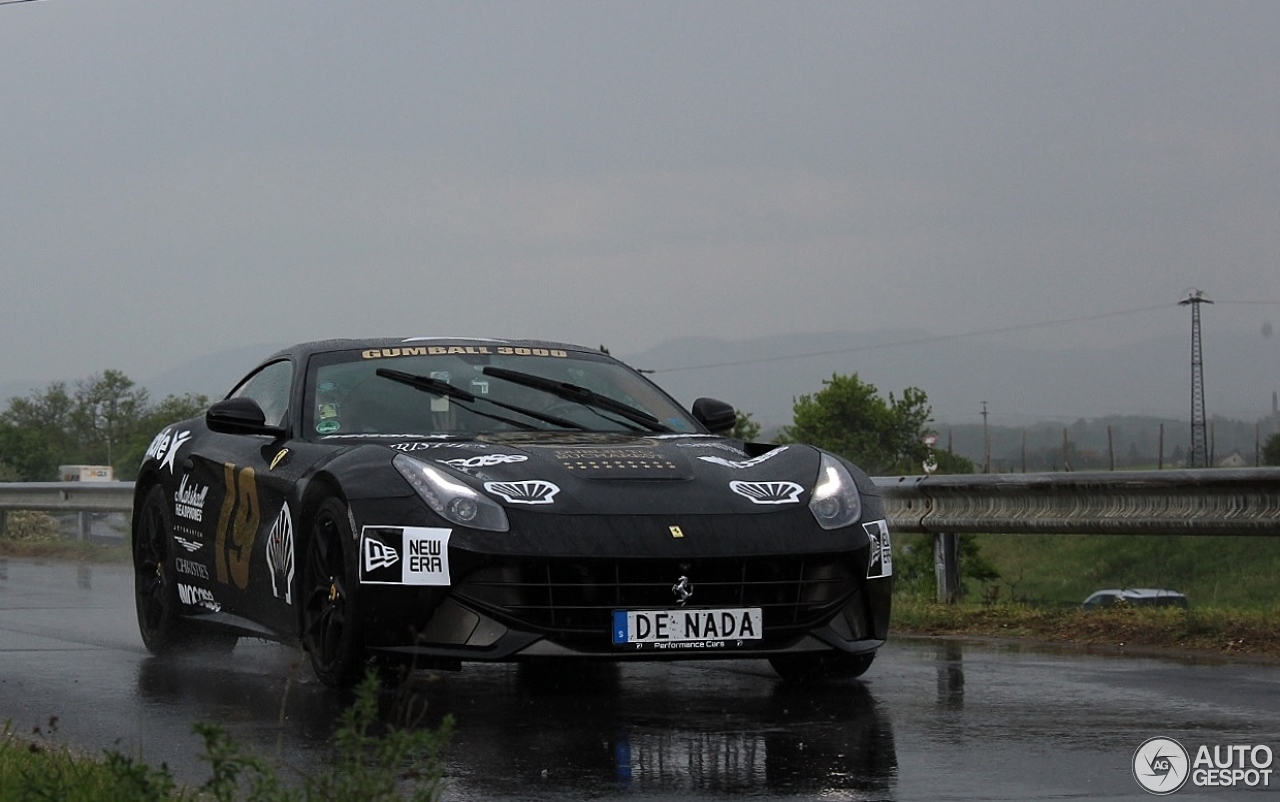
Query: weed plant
[[373, 762]]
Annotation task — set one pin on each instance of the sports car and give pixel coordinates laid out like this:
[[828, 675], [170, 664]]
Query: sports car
[[397, 504]]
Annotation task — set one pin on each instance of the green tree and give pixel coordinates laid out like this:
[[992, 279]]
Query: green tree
[[849, 417], [1271, 450], [108, 420], [744, 428], [35, 433], [884, 437], [108, 409]]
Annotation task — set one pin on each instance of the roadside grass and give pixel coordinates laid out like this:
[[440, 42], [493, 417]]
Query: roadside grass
[[1230, 583], [1222, 631], [1236, 573], [372, 762]]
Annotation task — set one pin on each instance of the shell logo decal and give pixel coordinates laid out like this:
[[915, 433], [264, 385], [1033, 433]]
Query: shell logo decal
[[768, 492], [533, 491]]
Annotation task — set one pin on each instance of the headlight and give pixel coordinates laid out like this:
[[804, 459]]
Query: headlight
[[835, 501], [451, 499]]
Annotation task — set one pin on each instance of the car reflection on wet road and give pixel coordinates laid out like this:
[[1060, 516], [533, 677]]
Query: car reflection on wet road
[[931, 720]]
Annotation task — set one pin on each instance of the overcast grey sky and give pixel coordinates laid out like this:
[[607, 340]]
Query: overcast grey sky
[[181, 178]]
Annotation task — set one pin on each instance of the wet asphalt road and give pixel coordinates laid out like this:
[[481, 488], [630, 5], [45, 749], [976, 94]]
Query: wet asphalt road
[[930, 720]]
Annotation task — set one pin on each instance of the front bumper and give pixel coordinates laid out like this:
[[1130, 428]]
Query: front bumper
[[497, 613], [552, 585]]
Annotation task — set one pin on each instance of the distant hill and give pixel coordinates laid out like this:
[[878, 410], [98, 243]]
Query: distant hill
[[212, 375]]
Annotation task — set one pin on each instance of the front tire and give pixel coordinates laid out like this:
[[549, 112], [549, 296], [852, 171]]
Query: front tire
[[821, 666], [330, 629]]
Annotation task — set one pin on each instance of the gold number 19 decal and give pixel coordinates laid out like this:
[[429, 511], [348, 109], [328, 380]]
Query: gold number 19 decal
[[240, 517]]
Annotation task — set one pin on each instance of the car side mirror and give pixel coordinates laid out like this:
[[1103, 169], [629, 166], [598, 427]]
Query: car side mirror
[[718, 416], [239, 416]]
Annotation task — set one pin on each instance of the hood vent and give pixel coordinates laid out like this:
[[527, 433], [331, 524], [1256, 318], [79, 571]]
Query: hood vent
[[622, 463]]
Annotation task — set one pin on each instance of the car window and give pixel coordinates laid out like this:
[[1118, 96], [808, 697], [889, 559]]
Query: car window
[[270, 388], [347, 396]]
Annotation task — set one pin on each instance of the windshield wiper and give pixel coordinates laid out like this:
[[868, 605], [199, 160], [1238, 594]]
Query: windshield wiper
[[443, 388], [582, 395]]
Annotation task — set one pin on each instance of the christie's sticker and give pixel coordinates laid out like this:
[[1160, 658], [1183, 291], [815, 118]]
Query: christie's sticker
[[409, 555]]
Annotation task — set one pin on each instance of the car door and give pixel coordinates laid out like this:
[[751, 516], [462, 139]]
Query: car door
[[244, 483]]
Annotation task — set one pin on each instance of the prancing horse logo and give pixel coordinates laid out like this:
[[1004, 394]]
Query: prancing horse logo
[[683, 589]]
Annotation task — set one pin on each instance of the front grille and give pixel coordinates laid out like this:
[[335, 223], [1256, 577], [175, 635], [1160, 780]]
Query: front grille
[[572, 600]]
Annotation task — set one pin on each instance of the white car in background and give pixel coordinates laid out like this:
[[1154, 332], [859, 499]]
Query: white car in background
[[1138, 597]]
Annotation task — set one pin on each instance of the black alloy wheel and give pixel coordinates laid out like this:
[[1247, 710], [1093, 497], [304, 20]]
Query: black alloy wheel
[[329, 627], [155, 590]]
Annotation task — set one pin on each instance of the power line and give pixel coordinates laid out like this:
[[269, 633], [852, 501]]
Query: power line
[[938, 338], [918, 341], [15, 2]]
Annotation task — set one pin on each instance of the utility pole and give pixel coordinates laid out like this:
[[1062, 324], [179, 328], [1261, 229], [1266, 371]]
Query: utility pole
[[986, 442], [1199, 457]]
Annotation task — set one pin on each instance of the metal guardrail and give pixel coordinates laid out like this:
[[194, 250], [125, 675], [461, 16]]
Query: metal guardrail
[[67, 496], [1191, 502], [84, 498], [1212, 501]]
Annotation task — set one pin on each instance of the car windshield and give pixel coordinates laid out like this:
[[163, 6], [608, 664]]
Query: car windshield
[[474, 389]]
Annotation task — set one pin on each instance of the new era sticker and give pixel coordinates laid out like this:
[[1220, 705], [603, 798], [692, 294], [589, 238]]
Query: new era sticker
[[408, 555]]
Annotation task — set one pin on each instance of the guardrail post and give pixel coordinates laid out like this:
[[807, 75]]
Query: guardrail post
[[3, 515], [946, 565]]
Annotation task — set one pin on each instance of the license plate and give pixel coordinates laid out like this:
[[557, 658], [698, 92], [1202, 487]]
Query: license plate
[[687, 626]]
